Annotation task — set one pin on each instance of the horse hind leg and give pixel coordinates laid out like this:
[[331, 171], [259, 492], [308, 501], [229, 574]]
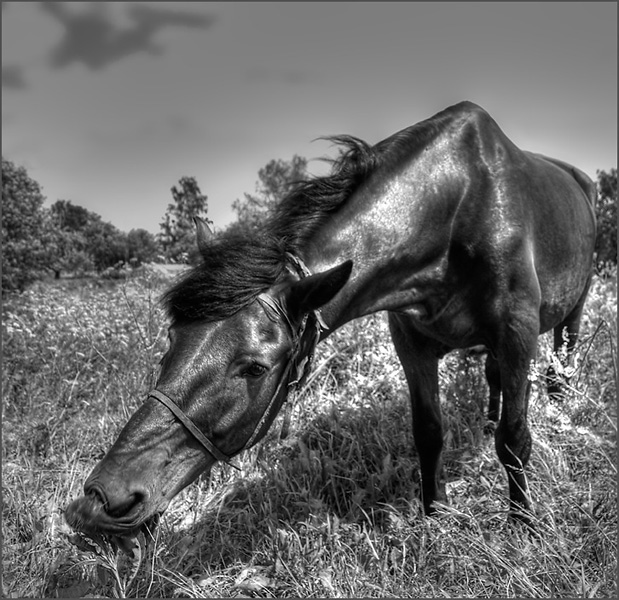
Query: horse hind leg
[[493, 377], [565, 337]]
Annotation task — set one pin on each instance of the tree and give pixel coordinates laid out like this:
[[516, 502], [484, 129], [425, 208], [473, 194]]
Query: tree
[[106, 244], [82, 241], [67, 250], [71, 217], [606, 212], [66, 227], [178, 229], [141, 247], [24, 254], [275, 181]]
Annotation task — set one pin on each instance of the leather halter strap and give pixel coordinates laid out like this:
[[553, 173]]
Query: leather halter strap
[[188, 423], [269, 305]]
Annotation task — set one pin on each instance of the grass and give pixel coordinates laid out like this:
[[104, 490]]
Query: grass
[[327, 508]]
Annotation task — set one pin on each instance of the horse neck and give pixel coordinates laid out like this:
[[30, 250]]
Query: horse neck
[[345, 306], [352, 234], [398, 259]]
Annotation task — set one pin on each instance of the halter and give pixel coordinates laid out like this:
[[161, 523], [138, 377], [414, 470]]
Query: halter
[[274, 310]]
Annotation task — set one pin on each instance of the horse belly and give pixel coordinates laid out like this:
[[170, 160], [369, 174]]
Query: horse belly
[[563, 267], [563, 240], [560, 297]]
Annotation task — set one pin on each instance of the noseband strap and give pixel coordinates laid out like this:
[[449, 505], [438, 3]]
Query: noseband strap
[[189, 424], [272, 307]]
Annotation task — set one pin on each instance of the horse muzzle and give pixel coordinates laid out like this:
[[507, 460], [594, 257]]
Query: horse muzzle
[[117, 512]]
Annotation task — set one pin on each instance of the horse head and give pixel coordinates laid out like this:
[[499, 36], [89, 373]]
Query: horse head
[[221, 384]]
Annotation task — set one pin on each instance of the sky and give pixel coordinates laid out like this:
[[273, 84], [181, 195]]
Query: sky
[[109, 104]]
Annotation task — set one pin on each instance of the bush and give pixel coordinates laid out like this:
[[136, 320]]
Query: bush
[[606, 213]]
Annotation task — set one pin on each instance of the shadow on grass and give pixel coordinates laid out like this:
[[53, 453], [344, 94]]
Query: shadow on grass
[[348, 464], [350, 467]]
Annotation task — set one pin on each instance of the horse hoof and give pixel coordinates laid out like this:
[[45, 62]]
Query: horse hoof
[[554, 385], [522, 521], [555, 392]]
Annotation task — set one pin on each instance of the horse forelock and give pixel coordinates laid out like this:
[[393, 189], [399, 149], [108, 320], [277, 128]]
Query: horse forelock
[[233, 271]]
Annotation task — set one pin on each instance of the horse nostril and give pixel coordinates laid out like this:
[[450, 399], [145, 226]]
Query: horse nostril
[[117, 504], [96, 494]]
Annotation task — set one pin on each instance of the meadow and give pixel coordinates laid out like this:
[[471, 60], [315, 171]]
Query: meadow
[[326, 507]]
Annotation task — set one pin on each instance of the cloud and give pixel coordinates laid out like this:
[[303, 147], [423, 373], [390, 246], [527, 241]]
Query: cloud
[[94, 40], [13, 78]]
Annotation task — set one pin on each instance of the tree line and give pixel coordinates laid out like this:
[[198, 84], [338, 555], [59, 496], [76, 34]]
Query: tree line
[[67, 238]]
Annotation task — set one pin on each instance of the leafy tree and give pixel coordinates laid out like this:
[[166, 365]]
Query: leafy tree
[[142, 247], [606, 212], [71, 217], [24, 254], [106, 244], [178, 228], [68, 252], [69, 248], [83, 241], [275, 181]]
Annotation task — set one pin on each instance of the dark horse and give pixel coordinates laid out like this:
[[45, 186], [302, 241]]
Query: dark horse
[[463, 238]]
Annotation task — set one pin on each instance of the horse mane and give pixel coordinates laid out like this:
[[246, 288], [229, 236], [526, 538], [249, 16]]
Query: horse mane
[[310, 203], [235, 268]]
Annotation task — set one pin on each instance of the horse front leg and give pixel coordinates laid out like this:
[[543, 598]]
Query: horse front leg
[[515, 353], [420, 366]]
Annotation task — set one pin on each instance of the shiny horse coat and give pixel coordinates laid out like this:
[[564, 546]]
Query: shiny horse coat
[[463, 238]]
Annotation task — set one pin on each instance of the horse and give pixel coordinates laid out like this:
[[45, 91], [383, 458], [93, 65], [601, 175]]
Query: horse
[[463, 238]]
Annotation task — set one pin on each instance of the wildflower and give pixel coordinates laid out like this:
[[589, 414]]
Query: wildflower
[[533, 374]]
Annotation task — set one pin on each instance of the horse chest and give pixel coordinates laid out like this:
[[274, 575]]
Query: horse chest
[[452, 323]]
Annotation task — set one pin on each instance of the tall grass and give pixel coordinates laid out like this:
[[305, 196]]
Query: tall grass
[[325, 508]]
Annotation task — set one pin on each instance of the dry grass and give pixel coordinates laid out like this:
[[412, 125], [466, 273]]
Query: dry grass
[[329, 511]]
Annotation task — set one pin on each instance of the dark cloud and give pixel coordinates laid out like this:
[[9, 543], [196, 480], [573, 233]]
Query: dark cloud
[[93, 39], [13, 78]]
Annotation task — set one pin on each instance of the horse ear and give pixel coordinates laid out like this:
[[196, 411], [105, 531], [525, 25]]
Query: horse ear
[[203, 233], [310, 293]]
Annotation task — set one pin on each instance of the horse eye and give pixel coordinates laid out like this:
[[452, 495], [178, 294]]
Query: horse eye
[[255, 370]]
